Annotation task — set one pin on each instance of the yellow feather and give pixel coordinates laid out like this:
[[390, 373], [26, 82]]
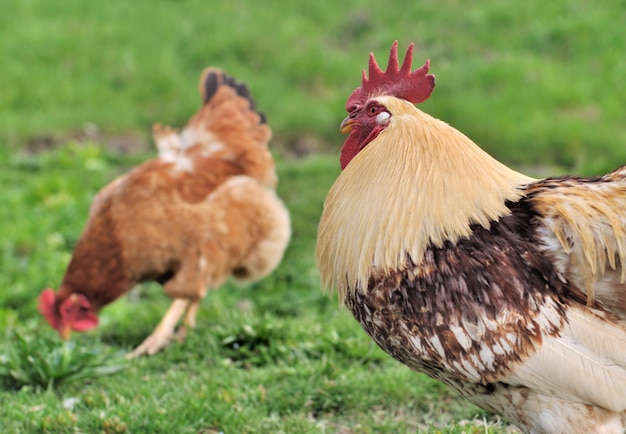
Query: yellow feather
[[420, 182], [587, 220]]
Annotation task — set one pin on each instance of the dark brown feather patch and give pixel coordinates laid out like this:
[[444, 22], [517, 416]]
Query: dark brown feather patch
[[470, 311], [214, 78]]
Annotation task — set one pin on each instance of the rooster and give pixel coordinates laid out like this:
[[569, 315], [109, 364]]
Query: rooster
[[510, 290], [203, 210]]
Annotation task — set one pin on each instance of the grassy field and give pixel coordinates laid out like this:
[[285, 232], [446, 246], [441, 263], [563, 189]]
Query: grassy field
[[278, 356], [536, 84], [533, 83]]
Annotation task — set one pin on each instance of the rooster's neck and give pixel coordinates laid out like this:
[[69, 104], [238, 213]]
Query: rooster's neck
[[419, 183]]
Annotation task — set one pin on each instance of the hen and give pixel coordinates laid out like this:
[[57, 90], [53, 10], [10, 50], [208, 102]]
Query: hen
[[203, 210], [510, 290]]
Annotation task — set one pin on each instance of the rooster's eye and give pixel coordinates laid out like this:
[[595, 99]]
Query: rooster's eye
[[379, 112], [374, 109]]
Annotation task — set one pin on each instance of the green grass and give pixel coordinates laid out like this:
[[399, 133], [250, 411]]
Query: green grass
[[278, 356], [536, 84], [39, 362], [533, 82]]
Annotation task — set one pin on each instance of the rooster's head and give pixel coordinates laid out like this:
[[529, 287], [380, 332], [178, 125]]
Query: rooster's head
[[367, 116]]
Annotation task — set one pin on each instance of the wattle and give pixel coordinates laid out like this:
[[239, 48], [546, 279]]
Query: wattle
[[355, 142]]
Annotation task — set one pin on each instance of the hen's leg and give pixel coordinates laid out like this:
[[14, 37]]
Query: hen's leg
[[189, 321], [164, 332]]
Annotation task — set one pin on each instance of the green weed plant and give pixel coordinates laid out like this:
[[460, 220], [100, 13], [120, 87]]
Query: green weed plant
[[40, 362]]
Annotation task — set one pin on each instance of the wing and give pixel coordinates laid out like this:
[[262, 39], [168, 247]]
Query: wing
[[491, 309], [585, 363], [582, 229], [475, 309]]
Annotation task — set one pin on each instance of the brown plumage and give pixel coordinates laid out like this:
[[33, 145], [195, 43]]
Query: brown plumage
[[203, 210], [510, 290]]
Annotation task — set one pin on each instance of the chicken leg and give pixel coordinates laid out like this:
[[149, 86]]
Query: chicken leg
[[164, 332]]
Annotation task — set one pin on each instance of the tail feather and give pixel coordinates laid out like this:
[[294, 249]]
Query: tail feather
[[213, 78], [227, 136]]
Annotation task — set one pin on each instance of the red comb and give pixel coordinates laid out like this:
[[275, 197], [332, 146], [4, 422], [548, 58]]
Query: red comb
[[399, 81]]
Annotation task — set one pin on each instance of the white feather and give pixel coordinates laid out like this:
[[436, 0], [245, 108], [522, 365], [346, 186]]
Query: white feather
[[587, 363]]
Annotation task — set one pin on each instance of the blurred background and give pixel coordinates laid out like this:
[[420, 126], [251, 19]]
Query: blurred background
[[539, 85], [532, 83]]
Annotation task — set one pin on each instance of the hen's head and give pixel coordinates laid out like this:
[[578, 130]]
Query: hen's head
[[72, 313], [367, 116]]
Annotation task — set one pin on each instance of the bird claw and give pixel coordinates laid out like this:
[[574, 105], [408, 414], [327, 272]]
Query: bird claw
[[181, 334], [156, 342], [151, 345], [164, 332]]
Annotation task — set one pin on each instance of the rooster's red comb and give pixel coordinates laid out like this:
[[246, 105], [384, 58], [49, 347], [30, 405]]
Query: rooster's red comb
[[399, 81]]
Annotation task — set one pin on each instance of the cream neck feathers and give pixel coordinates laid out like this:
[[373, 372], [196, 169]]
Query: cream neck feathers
[[420, 182]]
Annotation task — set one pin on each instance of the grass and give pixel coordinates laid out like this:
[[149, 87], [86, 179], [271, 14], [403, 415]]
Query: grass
[[536, 84], [40, 362], [278, 356], [533, 83]]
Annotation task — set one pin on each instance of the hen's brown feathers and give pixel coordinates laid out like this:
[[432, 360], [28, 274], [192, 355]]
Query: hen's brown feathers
[[213, 79], [202, 210], [226, 131]]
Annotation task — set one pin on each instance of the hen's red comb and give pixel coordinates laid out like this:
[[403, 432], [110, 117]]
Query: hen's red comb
[[399, 81]]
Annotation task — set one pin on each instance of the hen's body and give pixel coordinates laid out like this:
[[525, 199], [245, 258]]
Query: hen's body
[[508, 289], [203, 210]]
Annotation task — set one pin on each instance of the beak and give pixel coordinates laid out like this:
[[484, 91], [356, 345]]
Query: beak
[[347, 124], [65, 332]]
